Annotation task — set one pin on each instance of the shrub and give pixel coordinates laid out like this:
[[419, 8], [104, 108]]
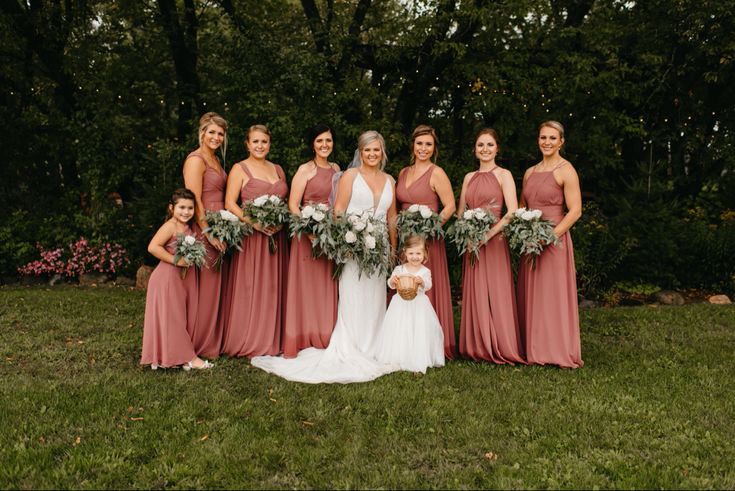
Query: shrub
[[80, 258]]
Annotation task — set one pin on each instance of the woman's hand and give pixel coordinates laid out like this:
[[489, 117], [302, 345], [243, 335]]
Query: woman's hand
[[216, 243]]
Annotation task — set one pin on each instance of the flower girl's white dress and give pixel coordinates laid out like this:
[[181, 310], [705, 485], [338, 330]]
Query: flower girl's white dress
[[411, 338]]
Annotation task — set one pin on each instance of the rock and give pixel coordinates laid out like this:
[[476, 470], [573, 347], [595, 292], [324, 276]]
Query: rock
[[588, 304], [124, 281], [720, 300], [142, 276], [92, 279], [668, 297]]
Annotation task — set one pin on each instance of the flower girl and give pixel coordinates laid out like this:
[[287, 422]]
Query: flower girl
[[171, 300], [411, 337]]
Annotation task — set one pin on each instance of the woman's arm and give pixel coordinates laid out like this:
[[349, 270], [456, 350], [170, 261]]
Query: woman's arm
[[391, 216], [572, 198], [462, 194], [344, 191], [443, 188], [157, 245]]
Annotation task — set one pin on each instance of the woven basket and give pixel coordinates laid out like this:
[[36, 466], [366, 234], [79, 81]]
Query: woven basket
[[407, 287]]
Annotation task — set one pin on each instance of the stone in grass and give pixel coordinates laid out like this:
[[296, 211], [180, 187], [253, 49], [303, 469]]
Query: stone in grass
[[668, 297], [124, 281], [720, 300], [92, 279], [142, 276]]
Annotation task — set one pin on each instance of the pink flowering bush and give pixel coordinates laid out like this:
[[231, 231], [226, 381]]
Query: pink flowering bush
[[81, 258]]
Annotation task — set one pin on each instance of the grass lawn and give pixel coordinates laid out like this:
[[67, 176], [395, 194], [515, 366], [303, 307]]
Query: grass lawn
[[654, 407]]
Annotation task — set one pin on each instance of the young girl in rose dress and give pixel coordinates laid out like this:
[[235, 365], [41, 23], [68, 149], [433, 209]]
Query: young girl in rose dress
[[411, 337], [171, 301]]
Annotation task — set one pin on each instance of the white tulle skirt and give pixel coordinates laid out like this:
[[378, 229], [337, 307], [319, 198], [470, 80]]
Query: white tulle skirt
[[411, 338]]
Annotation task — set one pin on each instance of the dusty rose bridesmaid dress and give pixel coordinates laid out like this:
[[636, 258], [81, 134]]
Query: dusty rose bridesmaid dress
[[170, 311], [440, 295], [206, 333], [547, 294], [489, 325], [255, 286], [311, 294]]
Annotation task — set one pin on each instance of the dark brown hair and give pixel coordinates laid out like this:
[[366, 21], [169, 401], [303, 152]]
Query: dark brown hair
[[179, 194]]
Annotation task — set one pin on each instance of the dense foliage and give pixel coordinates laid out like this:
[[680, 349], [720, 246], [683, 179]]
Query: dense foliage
[[101, 99]]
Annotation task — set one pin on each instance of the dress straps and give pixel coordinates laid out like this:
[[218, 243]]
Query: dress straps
[[245, 168]]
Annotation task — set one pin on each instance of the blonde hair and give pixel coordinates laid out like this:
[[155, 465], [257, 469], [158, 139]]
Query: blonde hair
[[553, 124], [258, 127], [205, 122], [421, 130], [367, 138], [414, 241]]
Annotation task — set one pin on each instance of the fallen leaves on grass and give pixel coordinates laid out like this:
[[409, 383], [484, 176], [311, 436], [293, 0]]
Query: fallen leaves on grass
[[491, 456]]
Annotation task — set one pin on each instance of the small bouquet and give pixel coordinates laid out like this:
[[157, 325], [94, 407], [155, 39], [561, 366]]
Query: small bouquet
[[313, 221], [192, 250], [269, 211], [419, 220], [358, 237], [226, 227], [469, 232], [528, 234]]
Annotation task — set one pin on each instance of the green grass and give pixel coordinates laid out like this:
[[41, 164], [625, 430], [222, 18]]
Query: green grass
[[654, 407]]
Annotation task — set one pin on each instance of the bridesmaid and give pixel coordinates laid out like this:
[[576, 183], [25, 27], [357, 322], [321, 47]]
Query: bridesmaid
[[547, 294], [205, 177], [489, 325], [254, 295], [311, 294], [423, 182]]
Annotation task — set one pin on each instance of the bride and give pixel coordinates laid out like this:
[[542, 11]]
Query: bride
[[362, 298]]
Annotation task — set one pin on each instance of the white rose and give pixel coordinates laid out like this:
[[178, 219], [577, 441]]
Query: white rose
[[274, 199], [229, 216], [350, 237], [369, 228], [318, 216], [189, 240], [519, 212], [352, 219], [426, 211], [479, 214], [260, 200], [360, 225], [322, 207], [370, 242], [467, 215], [528, 215], [307, 211], [413, 208], [536, 213]]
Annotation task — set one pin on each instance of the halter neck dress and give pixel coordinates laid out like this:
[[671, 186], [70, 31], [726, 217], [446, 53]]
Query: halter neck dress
[[256, 283], [311, 294], [547, 294], [489, 324], [440, 296]]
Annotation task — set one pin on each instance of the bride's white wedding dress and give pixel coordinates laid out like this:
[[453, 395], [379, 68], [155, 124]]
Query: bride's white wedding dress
[[360, 311]]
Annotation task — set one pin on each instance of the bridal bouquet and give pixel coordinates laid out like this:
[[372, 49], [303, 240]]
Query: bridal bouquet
[[313, 221], [227, 228], [192, 250], [358, 237], [469, 231], [419, 220], [528, 234], [269, 211]]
